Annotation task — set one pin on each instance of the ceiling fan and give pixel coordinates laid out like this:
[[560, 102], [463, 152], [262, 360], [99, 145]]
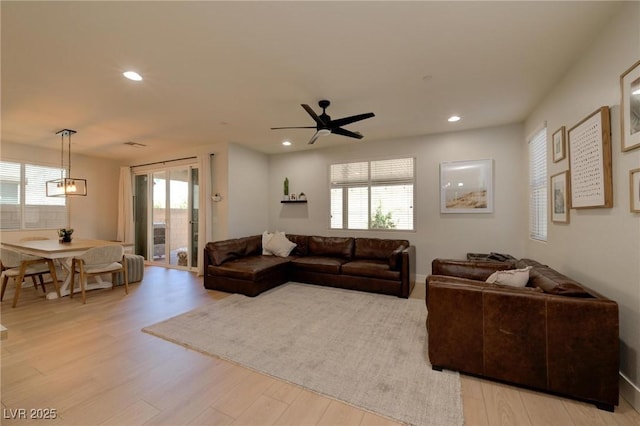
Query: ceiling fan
[[325, 125]]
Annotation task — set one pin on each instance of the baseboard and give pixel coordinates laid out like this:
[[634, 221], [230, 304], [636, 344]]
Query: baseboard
[[630, 392], [421, 279]]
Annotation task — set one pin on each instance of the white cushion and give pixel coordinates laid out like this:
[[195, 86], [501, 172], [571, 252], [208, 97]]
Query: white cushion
[[279, 245], [30, 270], [266, 237], [104, 268], [511, 277]]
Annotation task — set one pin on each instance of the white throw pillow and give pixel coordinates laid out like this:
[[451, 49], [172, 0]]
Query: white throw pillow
[[511, 277], [279, 245], [266, 237]]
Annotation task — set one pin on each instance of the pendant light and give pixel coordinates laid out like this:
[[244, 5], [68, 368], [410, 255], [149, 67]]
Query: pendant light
[[66, 186]]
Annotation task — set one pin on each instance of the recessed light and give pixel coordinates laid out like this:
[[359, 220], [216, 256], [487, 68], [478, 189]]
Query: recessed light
[[286, 143], [132, 75], [636, 92], [453, 119]]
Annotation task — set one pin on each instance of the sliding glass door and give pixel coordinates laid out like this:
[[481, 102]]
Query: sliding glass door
[[167, 215]]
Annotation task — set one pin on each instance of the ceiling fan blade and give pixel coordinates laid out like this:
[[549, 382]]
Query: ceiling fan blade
[[299, 127], [314, 138], [344, 132], [352, 119], [313, 115]]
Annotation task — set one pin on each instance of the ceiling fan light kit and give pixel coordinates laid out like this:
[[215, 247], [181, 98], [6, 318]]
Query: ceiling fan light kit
[[326, 126]]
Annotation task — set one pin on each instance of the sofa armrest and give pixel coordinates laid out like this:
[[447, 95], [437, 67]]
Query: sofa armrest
[[583, 347], [208, 259], [471, 269], [408, 270], [454, 325]]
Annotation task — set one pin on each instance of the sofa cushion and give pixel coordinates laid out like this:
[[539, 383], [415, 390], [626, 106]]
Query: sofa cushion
[[370, 268], [223, 251], [302, 244], [331, 246], [377, 248], [553, 282], [279, 245], [327, 265], [474, 270], [511, 277], [251, 268]]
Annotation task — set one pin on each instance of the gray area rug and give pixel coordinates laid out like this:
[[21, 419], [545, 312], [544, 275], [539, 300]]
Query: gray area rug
[[365, 349]]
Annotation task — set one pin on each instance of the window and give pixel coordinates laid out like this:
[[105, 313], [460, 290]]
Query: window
[[373, 194], [23, 200], [538, 185]]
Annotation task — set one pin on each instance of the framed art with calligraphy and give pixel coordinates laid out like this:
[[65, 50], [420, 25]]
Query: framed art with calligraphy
[[590, 161], [560, 190], [630, 107]]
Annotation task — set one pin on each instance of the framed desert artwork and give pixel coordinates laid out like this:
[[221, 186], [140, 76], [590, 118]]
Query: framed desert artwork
[[630, 107], [560, 190], [634, 188], [466, 186], [559, 144]]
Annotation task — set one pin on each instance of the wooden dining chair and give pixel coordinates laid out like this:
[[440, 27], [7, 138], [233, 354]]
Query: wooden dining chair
[[19, 266], [40, 277], [97, 261]]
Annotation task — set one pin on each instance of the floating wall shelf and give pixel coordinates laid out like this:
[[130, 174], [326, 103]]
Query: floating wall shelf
[[293, 201]]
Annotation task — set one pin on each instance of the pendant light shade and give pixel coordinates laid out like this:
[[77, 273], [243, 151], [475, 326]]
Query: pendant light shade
[[66, 185]]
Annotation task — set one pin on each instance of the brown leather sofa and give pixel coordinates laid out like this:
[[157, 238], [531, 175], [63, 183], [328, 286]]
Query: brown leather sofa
[[554, 335], [368, 264]]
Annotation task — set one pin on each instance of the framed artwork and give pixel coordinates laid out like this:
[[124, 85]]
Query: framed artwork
[[466, 186], [630, 107], [634, 188], [560, 190], [590, 161], [559, 144]]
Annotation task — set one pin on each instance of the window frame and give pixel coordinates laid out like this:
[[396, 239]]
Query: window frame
[[369, 184], [23, 207]]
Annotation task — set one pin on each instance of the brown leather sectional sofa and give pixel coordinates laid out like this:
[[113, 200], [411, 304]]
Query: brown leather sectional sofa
[[554, 335], [368, 264]]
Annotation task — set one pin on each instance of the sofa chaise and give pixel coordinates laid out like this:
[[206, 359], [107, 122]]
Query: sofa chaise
[[553, 334], [240, 265]]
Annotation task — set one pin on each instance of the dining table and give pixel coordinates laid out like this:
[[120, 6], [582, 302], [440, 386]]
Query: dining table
[[63, 253]]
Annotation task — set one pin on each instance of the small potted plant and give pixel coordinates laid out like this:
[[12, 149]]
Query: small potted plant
[[65, 234], [286, 189]]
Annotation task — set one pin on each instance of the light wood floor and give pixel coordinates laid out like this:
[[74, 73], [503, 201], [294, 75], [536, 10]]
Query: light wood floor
[[93, 366]]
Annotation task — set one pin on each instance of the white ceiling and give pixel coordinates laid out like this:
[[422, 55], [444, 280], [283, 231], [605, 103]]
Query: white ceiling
[[228, 71]]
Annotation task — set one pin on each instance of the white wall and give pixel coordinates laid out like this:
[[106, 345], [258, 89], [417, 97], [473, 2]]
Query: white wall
[[93, 216], [436, 234], [600, 247], [248, 191]]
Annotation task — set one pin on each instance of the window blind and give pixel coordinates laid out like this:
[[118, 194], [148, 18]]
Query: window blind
[[23, 201], [373, 194], [538, 185]]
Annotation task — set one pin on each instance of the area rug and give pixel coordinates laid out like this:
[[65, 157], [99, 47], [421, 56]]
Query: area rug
[[365, 349]]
